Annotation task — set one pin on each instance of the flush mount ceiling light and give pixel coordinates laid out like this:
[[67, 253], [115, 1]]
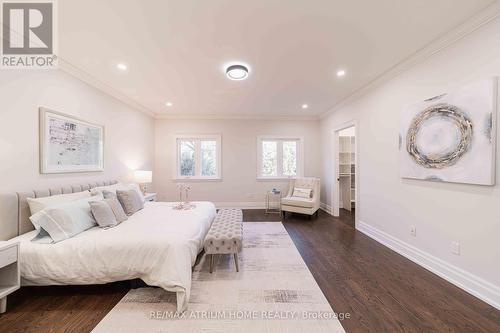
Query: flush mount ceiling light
[[340, 73], [121, 66], [169, 104], [305, 106], [237, 72]]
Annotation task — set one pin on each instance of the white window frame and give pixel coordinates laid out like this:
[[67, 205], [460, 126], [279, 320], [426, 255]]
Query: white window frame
[[197, 157], [278, 138]]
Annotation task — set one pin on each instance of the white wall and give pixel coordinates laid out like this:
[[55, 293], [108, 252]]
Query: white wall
[[239, 185], [441, 212], [129, 134]]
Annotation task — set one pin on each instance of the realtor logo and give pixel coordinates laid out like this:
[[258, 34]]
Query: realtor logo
[[28, 34]]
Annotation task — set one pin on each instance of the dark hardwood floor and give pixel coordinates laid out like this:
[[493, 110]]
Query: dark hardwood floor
[[382, 291]]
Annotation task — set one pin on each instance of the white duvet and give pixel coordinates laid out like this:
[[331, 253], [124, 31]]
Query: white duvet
[[157, 244]]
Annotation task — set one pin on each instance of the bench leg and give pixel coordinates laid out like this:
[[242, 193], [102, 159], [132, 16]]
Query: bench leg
[[211, 263], [236, 262]]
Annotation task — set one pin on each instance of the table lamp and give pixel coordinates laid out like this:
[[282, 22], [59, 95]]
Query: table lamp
[[143, 178]]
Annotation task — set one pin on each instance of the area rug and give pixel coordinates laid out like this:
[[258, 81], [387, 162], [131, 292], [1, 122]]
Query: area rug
[[274, 291]]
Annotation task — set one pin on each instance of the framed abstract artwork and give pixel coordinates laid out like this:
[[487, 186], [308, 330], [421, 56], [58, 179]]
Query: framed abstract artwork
[[69, 144], [451, 137]]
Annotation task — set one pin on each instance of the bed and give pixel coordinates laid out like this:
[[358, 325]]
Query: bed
[[157, 244]]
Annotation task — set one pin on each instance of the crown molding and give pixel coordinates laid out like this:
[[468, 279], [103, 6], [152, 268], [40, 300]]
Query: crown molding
[[472, 24], [197, 116], [80, 74]]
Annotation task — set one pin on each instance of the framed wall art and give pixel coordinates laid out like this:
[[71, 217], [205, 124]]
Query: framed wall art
[[451, 137], [69, 144]]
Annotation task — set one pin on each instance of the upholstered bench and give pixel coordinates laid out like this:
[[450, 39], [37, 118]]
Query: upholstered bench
[[225, 235]]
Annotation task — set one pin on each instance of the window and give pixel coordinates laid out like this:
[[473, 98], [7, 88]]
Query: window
[[279, 157], [198, 157]]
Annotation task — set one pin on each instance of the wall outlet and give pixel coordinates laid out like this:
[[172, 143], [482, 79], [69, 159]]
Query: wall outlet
[[455, 248], [413, 231]]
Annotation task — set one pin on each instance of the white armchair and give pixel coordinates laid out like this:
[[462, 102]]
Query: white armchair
[[309, 206]]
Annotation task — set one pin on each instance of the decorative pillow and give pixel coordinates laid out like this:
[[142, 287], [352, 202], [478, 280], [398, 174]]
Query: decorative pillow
[[136, 187], [38, 204], [121, 187], [305, 193], [65, 220], [130, 201], [103, 214], [108, 194], [117, 209]]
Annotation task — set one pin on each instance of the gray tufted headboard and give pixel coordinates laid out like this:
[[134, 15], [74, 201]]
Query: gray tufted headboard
[[15, 212]]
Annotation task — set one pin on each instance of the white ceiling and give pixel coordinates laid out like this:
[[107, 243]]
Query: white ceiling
[[176, 50]]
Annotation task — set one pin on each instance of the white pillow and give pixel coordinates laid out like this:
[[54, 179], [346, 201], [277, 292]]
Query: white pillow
[[305, 193], [38, 204], [65, 220], [110, 188]]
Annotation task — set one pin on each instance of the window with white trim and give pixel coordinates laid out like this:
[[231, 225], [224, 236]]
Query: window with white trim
[[198, 157], [279, 157]]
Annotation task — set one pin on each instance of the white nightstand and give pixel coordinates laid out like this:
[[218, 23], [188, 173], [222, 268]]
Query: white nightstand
[[10, 279], [150, 196]]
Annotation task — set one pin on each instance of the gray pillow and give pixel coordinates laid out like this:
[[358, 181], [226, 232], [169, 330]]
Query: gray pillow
[[117, 208], [130, 201], [108, 194], [103, 214]]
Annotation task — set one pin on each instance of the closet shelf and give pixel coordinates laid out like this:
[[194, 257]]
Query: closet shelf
[[347, 174]]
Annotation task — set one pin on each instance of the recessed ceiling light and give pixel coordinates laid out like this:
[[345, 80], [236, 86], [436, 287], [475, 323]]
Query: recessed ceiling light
[[121, 66], [305, 106], [341, 73], [237, 72], [169, 104]]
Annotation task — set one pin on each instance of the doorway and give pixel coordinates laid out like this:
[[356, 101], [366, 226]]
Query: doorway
[[345, 186]]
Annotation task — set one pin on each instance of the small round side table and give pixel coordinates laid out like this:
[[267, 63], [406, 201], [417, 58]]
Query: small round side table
[[273, 202]]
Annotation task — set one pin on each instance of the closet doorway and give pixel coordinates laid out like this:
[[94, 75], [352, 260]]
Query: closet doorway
[[345, 171]]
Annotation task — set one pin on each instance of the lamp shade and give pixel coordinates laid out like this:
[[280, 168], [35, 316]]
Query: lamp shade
[[142, 176]]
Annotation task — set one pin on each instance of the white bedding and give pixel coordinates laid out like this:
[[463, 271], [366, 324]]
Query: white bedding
[[157, 244]]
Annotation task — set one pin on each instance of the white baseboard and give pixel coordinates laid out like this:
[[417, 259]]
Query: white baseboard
[[242, 205], [469, 282], [327, 208]]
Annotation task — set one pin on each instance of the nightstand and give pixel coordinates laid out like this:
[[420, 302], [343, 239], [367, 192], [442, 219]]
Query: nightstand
[[150, 197], [10, 279]]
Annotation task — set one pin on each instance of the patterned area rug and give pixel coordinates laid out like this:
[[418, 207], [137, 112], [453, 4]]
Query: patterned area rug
[[273, 292]]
